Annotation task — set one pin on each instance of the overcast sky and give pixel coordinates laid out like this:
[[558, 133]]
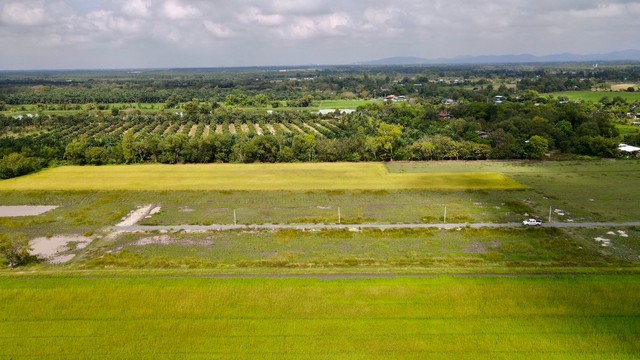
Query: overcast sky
[[63, 34]]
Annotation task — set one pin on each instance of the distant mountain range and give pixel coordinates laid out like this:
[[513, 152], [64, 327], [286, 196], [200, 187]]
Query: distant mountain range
[[626, 55]]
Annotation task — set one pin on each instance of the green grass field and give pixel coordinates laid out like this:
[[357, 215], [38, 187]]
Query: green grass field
[[583, 317], [595, 96], [628, 129], [158, 107], [343, 104], [599, 190], [254, 177]]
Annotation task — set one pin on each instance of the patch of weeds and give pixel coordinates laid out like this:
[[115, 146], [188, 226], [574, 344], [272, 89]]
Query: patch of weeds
[[519, 207], [336, 234], [287, 234], [456, 219], [376, 192], [126, 259], [357, 220], [493, 256], [313, 220], [121, 259], [459, 262], [477, 192], [283, 261]]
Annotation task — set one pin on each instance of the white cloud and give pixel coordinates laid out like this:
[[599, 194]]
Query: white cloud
[[137, 8], [254, 15], [23, 13], [308, 27], [296, 7], [176, 10], [601, 11], [317, 31], [106, 22], [218, 30]]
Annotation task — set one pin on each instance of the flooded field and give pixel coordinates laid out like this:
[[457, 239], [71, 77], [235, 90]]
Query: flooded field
[[24, 210]]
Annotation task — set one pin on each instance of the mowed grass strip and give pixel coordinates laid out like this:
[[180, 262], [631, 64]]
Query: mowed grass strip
[[584, 317], [290, 177]]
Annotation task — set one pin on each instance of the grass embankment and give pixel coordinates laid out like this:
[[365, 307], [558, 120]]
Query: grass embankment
[[255, 177], [584, 317]]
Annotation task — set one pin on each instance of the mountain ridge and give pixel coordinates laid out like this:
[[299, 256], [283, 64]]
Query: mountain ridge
[[624, 55]]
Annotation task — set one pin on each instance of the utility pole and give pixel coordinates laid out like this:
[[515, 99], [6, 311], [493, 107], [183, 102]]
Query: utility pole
[[339, 217], [445, 214], [549, 213], [234, 217]]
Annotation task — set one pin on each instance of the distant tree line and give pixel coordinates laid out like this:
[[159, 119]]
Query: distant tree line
[[155, 87]]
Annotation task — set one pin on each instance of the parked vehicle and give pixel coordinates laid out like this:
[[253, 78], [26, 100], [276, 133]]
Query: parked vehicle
[[532, 222]]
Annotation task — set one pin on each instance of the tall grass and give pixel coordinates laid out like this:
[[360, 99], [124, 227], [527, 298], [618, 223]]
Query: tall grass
[[257, 177]]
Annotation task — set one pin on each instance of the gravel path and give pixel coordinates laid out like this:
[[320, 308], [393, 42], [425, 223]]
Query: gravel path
[[137, 228]]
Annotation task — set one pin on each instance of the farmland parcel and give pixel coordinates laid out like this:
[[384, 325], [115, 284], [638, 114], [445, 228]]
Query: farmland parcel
[[264, 177], [167, 295]]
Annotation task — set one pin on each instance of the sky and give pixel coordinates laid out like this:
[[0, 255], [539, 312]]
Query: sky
[[96, 34]]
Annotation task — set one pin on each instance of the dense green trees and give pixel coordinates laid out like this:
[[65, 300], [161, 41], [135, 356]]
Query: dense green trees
[[15, 249], [536, 147], [16, 164]]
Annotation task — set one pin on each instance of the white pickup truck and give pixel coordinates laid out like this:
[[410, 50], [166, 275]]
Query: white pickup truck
[[532, 222]]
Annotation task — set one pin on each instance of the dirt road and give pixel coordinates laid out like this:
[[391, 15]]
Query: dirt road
[[143, 228]]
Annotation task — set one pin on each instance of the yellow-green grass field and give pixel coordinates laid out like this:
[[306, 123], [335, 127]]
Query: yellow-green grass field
[[565, 317], [267, 177], [595, 96], [24, 109]]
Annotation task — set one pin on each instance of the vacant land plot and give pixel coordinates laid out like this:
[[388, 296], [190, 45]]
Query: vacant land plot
[[588, 190], [263, 177], [585, 317], [574, 191], [81, 212], [466, 250], [623, 87]]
